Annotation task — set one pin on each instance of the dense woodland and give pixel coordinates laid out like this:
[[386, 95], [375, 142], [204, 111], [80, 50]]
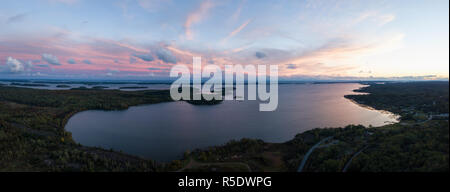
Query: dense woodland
[[402, 98], [411, 145], [32, 135]]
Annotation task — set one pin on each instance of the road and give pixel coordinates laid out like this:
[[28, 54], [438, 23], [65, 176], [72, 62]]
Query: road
[[305, 158], [350, 161]]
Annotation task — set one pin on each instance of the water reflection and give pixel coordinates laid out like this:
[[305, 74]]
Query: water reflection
[[164, 131]]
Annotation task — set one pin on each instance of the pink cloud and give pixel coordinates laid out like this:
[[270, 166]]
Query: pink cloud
[[102, 54], [195, 17]]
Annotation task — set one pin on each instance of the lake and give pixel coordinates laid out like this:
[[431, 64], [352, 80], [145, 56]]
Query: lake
[[164, 131]]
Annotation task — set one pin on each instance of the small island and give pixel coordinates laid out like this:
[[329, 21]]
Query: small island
[[203, 101], [99, 87], [63, 86], [29, 84], [134, 87]]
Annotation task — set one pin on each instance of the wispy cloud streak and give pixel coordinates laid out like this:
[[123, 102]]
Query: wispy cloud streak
[[236, 31], [196, 17]]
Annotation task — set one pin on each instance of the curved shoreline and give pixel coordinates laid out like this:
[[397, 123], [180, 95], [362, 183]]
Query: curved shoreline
[[76, 112], [49, 111]]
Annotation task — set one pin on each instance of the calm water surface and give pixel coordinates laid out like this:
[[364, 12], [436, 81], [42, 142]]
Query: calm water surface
[[164, 131]]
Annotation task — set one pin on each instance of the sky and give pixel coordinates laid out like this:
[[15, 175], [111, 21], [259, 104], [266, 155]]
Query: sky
[[143, 39]]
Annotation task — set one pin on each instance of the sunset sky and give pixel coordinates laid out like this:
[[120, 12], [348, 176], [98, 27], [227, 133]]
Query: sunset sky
[[142, 39]]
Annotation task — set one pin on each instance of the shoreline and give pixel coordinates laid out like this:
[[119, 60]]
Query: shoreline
[[288, 140], [59, 106]]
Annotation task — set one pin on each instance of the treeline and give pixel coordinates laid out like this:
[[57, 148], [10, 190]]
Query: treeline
[[83, 99], [32, 135], [401, 97], [408, 146], [392, 148]]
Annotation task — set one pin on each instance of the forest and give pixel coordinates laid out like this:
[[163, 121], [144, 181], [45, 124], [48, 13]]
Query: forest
[[32, 135], [412, 145]]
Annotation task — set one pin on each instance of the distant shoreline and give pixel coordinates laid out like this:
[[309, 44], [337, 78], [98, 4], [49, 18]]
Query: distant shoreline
[[149, 82]]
